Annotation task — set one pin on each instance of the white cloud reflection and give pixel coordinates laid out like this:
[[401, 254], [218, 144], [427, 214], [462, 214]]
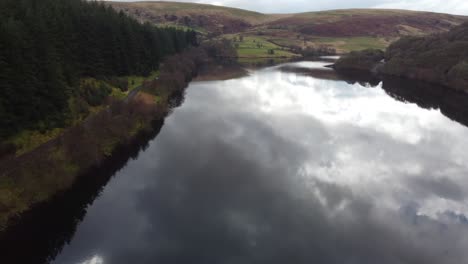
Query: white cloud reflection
[[378, 143], [94, 260], [278, 168]]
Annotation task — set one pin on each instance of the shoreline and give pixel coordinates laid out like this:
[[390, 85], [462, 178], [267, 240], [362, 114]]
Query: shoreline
[[382, 74], [54, 220], [55, 166]]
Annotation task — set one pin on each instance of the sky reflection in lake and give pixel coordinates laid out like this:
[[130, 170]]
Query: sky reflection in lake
[[279, 167]]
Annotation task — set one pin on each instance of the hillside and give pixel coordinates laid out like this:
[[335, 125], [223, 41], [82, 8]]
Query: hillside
[[343, 30], [47, 50], [368, 22], [440, 58], [205, 18]]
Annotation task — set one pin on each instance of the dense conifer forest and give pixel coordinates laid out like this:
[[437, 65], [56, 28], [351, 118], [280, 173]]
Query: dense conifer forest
[[47, 46]]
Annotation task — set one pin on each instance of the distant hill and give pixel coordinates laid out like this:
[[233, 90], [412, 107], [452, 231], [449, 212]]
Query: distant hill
[[205, 18], [344, 30], [368, 22]]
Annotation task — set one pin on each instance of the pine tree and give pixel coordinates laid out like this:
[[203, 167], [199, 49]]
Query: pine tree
[[46, 46]]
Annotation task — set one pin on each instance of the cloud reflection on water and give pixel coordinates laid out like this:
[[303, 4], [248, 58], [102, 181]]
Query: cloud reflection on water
[[283, 168]]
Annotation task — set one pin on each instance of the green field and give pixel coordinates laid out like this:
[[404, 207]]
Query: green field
[[258, 47], [351, 44]]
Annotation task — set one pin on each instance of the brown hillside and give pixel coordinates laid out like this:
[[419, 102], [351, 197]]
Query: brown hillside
[[343, 30], [369, 22], [205, 18]]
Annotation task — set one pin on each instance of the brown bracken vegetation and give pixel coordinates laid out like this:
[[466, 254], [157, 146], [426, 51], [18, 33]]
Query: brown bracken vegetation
[[377, 26], [345, 30], [54, 167]]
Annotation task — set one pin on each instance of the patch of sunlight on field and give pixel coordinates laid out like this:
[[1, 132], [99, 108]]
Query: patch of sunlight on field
[[257, 46], [352, 44]]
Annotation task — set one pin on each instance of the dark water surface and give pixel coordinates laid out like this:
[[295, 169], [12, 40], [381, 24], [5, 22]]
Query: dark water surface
[[282, 166]]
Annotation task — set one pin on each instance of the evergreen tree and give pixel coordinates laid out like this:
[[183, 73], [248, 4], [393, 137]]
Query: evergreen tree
[[46, 46]]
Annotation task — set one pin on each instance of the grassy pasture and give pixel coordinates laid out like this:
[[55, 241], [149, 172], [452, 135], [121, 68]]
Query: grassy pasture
[[258, 47], [344, 45]]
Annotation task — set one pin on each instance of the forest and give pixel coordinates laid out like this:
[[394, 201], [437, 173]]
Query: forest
[[439, 58], [48, 46]]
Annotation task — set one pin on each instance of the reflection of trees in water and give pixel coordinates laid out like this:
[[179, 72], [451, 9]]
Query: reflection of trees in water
[[351, 77], [452, 104], [363, 78], [40, 234], [176, 99], [263, 62]]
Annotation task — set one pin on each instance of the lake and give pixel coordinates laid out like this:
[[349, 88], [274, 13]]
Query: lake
[[291, 164]]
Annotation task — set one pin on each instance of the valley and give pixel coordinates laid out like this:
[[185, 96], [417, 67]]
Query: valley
[[176, 132], [288, 34]]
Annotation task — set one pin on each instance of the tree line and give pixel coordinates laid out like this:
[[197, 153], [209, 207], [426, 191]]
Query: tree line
[[439, 58], [47, 46]]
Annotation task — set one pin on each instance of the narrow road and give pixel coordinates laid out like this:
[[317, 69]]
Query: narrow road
[[134, 92]]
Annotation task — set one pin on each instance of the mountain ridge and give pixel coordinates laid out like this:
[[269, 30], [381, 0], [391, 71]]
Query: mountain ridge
[[344, 30]]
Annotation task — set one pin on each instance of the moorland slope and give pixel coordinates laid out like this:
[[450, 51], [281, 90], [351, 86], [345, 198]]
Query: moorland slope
[[343, 30]]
